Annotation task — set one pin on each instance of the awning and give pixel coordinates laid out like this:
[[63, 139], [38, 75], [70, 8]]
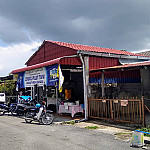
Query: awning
[[55, 61], [127, 76], [127, 73], [62, 60], [126, 66]]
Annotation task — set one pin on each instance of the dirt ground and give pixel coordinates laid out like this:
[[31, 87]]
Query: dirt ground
[[118, 132], [123, 134]]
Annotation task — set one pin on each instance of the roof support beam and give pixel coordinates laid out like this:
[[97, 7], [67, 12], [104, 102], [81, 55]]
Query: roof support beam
[[85, 82], [111, 55]]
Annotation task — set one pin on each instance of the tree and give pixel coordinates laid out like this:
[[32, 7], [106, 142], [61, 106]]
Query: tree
[[10, 87]]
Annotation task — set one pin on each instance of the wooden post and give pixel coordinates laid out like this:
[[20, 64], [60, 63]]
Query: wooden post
[[103, 89], [143, 112], [140, 111], [111, 109], [134, 109]]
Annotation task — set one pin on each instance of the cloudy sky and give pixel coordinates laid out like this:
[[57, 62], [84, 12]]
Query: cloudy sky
[[25, 24]]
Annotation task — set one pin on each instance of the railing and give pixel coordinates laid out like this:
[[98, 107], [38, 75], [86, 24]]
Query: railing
[[118, 110]]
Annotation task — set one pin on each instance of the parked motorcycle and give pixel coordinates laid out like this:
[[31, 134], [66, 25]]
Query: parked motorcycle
[[38, 113], [17, 109], [4, 108]]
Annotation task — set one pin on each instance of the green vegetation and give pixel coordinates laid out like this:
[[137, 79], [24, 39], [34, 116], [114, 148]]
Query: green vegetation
[[10, 87], [69, 122], [91, 127], [147, 129]]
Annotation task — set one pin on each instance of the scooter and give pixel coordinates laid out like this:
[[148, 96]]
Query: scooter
[[38, 113]]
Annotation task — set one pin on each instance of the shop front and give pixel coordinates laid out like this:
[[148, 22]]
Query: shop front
[[59, 72], [125, 93], [61, 86]]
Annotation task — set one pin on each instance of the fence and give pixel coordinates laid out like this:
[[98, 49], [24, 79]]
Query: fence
[[118, 110]]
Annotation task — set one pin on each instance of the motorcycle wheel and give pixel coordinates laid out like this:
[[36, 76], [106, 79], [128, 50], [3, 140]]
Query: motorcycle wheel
[[13, 112], [2, 112], [20, 113], [28, 117], [47, 118]]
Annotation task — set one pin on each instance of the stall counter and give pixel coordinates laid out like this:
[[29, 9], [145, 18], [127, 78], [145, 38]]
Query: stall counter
[[70, 109]]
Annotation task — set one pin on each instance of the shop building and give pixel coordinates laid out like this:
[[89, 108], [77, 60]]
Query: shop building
[[60, 72]]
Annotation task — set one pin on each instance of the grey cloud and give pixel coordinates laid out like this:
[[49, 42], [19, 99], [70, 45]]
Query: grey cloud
[[10, 31], [106, 23]]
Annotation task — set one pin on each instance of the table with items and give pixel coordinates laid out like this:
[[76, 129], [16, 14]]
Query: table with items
[[72, 109]]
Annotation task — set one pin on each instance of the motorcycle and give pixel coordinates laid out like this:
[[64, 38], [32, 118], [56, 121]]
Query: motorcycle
[[39, 113], [4, 108], [17, 109]]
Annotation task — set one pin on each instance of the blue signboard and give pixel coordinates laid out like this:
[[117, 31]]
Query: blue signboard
[[51, 75], [47, 75], [20, 80]]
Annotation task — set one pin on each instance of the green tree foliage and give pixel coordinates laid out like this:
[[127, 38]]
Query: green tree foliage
[[10, 87]]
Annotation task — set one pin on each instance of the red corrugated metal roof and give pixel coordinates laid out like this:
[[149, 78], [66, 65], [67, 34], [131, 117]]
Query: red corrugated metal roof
[[62, 60], [47, 63], [69, 49], [145, 63], [146, 53], [93, 48]]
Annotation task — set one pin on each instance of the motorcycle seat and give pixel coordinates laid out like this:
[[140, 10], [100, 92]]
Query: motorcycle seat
[[31, 107]]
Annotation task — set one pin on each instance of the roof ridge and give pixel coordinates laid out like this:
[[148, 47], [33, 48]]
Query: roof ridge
[[88, 48], [56, 42]]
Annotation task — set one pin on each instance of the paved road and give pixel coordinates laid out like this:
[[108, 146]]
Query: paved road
[[15, 134]]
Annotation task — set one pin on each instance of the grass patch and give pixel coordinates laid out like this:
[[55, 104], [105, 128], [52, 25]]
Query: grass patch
[[69, 122], [122, 133], [91, 127], [147, 129]]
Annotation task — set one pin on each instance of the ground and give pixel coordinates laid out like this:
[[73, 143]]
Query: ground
[[123, 133], [15, 133]]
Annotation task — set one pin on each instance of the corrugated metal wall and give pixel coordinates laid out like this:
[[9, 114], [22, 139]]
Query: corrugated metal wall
[[70, 61], [50, 51], [118, 74], [98, 62]]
